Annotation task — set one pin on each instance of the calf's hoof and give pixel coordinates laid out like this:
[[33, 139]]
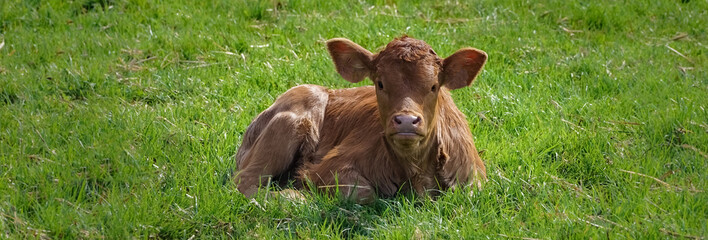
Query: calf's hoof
[[291, 195]]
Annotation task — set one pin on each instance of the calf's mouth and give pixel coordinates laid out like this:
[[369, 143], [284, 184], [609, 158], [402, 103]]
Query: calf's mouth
[[406, 138]]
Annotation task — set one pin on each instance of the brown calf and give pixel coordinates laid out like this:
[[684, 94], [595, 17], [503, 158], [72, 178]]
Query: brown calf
[[403, 133]]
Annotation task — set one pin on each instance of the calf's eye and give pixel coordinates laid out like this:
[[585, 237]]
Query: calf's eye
[[380, 85], [434, 88]]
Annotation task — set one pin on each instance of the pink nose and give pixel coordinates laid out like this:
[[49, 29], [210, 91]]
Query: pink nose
[[406, 123]]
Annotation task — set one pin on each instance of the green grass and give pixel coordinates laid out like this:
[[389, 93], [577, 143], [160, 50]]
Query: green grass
[[121, 118]]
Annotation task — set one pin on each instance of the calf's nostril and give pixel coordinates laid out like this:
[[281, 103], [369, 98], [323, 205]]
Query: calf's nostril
[[397, 119], [408, 120]]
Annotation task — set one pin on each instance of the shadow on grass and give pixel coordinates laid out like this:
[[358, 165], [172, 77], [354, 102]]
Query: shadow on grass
[[320, 214]]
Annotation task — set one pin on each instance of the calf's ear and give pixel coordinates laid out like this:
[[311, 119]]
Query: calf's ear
[[460, 68], [352, 61]]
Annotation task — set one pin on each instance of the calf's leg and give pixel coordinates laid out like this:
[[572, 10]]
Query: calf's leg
[[280, 137], [348, 183]]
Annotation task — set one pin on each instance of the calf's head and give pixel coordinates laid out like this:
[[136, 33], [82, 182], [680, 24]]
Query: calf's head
[[408, 77]]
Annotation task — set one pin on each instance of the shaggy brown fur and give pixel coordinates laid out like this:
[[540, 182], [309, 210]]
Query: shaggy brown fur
[[402, 134]]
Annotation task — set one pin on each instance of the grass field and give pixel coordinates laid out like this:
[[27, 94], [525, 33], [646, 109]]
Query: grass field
[[121, 118]]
